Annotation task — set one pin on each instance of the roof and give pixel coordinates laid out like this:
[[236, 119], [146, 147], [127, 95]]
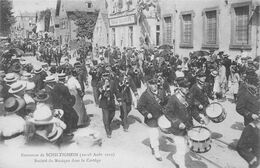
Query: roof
[[76, 5], [73, 5]]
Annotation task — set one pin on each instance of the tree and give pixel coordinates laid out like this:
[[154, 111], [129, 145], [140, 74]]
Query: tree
[[6, 16], [86, 23]]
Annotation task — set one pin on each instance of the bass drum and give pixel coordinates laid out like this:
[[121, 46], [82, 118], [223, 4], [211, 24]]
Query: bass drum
[[199, 139], [216, 113]]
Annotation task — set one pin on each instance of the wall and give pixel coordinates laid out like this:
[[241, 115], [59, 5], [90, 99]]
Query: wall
[[197, 6], [122, 31]]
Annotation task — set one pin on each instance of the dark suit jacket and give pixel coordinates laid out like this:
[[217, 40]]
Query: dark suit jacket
[[95, 77], [107, 100], [247, 104], [248, 145], [198, 97], [148, 104], [177, 112], [64, 100], [38, 81], [125, 91]]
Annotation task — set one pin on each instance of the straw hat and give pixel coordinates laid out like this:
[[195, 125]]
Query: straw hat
[[214, 73], [42, 115], [49, 79], [61, 76], [12, 105], [17, 87], [37, 69], [10, 77], [41, 96]]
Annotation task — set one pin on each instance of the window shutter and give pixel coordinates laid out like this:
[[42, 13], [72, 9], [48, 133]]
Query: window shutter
[[187, 29], [167, 30], [241, 25], [211, 27]]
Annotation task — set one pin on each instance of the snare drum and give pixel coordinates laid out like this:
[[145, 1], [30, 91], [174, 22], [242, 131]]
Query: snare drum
[[216, 112], [199, 139]]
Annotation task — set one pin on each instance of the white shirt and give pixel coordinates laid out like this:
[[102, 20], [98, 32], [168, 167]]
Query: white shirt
[[73, 83], [179, 74]]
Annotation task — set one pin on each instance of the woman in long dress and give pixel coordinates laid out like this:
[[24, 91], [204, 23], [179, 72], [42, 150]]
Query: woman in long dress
[[234, 81], [75, 89]]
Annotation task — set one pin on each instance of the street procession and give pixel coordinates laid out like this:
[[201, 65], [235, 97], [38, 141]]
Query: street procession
[[155, 83]]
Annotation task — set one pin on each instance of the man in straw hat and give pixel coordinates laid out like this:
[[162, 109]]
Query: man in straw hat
[[38, 78], [149, 105], [11, 124], [18, 90], [9, 79], [48, 129]]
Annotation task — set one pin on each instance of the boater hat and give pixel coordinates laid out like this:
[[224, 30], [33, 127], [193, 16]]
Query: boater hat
[[42, 115], [12, 105], [61, 76], [17, 87], [10, 77], [214, 73], [41, 96], [37, 69], [49, 79]]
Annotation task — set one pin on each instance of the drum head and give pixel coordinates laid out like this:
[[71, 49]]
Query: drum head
[[163, 122], [199, 133], [214, 110]]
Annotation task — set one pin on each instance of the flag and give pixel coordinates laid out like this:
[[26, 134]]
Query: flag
[[106, 4], [36, 18]]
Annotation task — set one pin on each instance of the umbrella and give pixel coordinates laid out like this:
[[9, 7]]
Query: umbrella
[[166, 47]]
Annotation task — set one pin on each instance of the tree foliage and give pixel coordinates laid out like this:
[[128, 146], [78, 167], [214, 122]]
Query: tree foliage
[[86, 23], [6, 16]]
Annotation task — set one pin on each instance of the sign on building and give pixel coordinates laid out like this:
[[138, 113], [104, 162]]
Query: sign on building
[[124, 20]]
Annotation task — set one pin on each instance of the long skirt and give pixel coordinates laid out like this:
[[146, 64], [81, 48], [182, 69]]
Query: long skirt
[[79, 107]]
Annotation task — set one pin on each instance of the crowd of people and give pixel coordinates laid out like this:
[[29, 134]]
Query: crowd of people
[[46, 102]]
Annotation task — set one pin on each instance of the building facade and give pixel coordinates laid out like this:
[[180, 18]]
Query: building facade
[[127, 28], [65, 27], [226, 25], [24, 25]]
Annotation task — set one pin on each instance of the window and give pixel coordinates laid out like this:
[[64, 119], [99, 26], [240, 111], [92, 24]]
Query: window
[[130, 36], [186, 29], [157, 35], [167, 34], [113, 37], [210, 29], [240, 27], [89, 5]]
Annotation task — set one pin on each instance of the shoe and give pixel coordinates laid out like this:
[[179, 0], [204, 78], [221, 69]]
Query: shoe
[[109, 136], [125, 130]]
